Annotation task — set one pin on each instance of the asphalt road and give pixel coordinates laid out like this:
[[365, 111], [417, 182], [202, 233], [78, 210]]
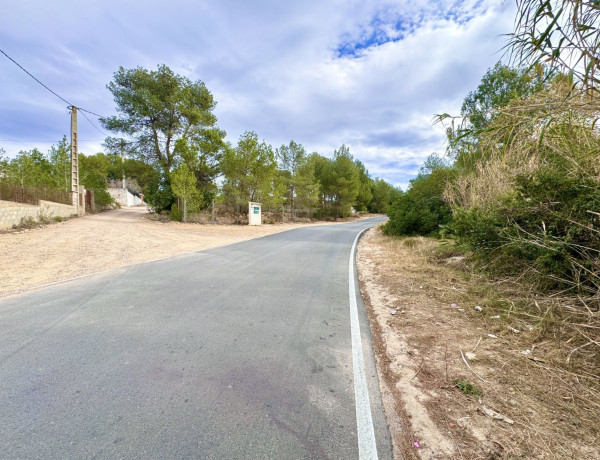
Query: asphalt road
[[239, 352]]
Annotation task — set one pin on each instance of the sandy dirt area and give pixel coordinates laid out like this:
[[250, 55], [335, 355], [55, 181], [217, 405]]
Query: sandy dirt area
[[99, 242], [459, 381]]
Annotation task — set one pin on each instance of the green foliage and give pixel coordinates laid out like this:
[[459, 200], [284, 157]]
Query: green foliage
[[548, 228], [467, 388], [498, 87], [60, 160], [477, 228], [158, 108], [30, 168], [92, 175], [160, 195], [250, 173], [422, 210], [297, 176], [364, 195], [27, 223], [176, 213], [340, 183], [170, 121], [529, 206], [383, 194], [183, 185]]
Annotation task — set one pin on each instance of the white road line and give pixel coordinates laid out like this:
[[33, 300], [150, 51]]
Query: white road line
[[367, 448]]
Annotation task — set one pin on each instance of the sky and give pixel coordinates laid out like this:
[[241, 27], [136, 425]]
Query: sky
[[370, 74]]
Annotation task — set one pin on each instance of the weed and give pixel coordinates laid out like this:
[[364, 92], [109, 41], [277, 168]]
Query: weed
[[45, 216], [409, 242], [467, 387], [27, 223]]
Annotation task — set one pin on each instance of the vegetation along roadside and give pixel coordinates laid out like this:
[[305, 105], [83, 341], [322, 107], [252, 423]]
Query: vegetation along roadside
[[484, 286]]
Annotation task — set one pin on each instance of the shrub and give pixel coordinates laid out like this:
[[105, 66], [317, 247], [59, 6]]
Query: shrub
[[176, 213], [549, 228], [422, 210]]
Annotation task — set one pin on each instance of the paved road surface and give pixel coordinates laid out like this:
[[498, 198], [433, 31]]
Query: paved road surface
[[242, 351]]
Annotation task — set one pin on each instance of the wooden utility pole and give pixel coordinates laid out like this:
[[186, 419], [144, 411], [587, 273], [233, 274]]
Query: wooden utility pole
[[74, 159]]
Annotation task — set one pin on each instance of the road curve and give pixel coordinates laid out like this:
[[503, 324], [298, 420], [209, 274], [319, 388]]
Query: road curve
[[238, 352]]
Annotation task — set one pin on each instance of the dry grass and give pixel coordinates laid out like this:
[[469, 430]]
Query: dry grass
[[528, 373]]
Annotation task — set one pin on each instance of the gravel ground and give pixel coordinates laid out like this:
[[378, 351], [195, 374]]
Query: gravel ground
[[99, 242]]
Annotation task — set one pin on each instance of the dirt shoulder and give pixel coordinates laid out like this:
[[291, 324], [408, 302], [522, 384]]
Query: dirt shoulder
[[431, 340], [99, 242]]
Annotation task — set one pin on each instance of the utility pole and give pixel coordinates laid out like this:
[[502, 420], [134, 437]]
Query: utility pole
[[74, 159], [123, 161]]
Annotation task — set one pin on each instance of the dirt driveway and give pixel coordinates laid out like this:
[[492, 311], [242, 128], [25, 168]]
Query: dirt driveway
[[98, 242]]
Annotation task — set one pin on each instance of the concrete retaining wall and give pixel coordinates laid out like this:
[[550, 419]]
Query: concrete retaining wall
[[11, 213], [124, 197]]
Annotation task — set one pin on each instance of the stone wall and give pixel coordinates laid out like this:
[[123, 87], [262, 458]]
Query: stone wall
[[11, 213]]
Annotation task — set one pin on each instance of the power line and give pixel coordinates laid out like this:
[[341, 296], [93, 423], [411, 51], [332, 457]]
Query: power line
[[90, 121], [57, 95], [25, 70], [47, 142], [89, 111]]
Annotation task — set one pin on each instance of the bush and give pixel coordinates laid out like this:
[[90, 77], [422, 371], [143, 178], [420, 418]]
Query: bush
[[550, 228], [102, 197], [176, 213], [422, 210]]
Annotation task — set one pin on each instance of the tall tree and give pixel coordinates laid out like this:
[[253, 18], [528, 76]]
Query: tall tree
[[345, 182], [93, 171], [364, 194], [60, 158], [498, 87], [3, 164], [159, 108], [298, 175], [383, 195], [250, 173], [30, 168], [183, 184]]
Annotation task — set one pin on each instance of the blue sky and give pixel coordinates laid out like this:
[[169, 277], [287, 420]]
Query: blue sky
[[371, 74]]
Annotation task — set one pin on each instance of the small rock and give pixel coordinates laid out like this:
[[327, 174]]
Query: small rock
[[513, 330], [393, 311], [453, 305], [495, 415], [478, 308], [420, 287], [495, 317]]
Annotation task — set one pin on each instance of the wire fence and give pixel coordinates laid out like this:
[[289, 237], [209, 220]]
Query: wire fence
[[222, 214], [32, 195]]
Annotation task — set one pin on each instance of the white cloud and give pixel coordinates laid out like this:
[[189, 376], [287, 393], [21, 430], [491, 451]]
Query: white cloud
[[273, 67]]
